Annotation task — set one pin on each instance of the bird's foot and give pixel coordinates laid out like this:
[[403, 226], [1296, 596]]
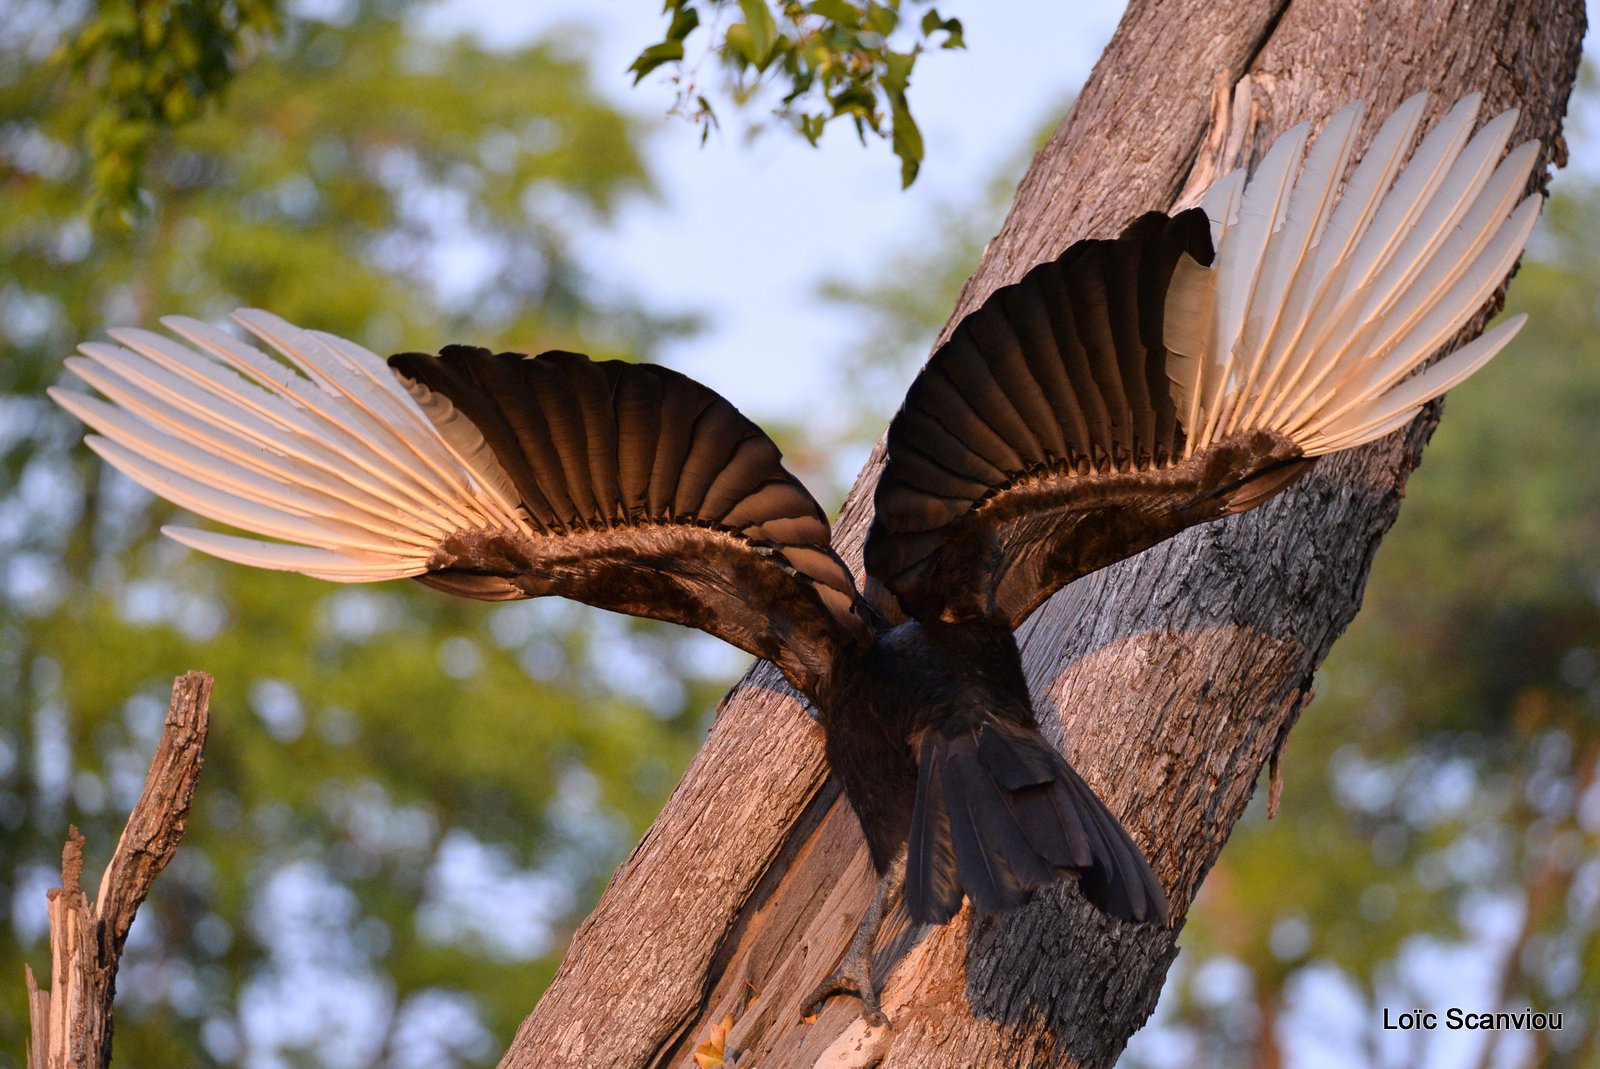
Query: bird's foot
[[852, 977], [854, 974]]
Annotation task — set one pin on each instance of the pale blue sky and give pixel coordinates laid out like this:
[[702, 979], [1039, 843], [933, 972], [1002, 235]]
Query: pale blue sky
[[708, 246]]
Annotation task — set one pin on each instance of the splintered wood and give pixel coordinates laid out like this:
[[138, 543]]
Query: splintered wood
[[71, 1022]]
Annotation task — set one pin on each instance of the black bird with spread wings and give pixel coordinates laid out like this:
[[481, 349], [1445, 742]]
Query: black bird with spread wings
[[1184, 371]]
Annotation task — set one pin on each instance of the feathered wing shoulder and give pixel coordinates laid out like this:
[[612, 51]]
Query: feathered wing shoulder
[[1191, 367], [1058, 382], [625, 486]]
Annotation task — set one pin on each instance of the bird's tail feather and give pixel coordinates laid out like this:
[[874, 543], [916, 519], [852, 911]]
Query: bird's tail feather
[[999, 814], [1318, 306]]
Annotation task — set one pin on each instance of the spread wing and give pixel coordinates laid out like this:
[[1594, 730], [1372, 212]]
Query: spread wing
[[1138, 386], [626, 486]]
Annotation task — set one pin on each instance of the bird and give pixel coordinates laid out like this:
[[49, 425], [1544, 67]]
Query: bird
[[1189, 368]]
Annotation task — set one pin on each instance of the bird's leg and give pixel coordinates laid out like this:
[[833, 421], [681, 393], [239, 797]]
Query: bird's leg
[[854, 974]]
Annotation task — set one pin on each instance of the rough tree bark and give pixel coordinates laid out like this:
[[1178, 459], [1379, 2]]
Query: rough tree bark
[[1174, 677]]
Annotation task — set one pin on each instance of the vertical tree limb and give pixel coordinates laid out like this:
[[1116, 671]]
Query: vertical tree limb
[[1172, 678], [71, 1023]]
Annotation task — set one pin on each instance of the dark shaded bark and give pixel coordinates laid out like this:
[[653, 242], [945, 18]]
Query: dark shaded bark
[[1173, 678]]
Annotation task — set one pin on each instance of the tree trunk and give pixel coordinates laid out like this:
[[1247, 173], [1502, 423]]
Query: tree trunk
[[1175, 676]]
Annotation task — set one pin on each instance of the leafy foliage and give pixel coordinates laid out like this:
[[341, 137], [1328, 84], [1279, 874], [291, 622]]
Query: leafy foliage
[[154, 65], [830, 60]]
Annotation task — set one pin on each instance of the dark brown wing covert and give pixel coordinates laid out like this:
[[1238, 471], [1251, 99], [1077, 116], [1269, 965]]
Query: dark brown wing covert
[[649, 494], [1041, 442]]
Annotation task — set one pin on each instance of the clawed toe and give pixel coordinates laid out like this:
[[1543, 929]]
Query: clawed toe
[[854, 974], [848, 981]]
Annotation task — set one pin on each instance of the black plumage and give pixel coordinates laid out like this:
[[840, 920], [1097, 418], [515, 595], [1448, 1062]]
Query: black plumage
[[1027, 453], [657, 499]]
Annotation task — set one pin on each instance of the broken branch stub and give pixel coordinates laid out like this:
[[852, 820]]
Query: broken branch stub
[[71, 1022]]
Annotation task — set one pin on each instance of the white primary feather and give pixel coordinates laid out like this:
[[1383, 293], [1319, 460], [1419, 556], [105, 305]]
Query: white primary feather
[[1311, 208], [253, 443], [1461, 250], [1450, 202], [1191, 312], [1216, 362], [239, 510], [1400, 405], [320, 413], [1241, 285], [1318, 309], [324, 450], [347, 377], [219, 467], [1397, 222], [332, 399], [467, 443], [1422, 177], [1367, 378], [123, 375], [346, 566], [181, 378], [1333, 261]]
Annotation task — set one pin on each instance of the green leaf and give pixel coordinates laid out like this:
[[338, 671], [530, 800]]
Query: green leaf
[[801, 82], [706, 116], [763, 31], [897, 71], [683, 23], [178, 104], [833, 58], [655, 56], [907, 140], [736, 43], [837, 10], [931, 22], [856, 100], [153, 66]]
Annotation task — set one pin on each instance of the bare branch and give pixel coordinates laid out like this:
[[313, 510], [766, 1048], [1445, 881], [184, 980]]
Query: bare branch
[[161, 814], [71, 1023]]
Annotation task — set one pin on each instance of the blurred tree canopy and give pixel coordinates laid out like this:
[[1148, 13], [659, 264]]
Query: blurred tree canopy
[[409, 801], [155, 64]]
